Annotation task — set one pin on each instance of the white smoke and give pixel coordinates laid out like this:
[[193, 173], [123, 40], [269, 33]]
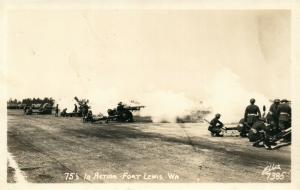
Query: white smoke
[[229, 97], [166, 105], [224, 94], [160, 105], [158, 64]]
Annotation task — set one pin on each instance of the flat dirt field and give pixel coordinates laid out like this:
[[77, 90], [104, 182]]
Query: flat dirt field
[[50, 149]]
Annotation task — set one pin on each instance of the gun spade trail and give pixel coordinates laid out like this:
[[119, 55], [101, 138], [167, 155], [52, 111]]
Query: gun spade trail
[[50, 149]]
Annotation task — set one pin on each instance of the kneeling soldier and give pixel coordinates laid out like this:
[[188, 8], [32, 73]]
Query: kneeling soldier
[[215, 126]]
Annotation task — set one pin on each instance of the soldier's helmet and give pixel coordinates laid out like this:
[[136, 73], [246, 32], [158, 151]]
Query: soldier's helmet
[[120, 103], [284, 101], [252, 100], [277, 101], [218, 115]]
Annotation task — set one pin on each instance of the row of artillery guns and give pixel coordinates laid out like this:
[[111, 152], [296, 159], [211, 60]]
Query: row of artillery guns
[[122, 113], [43, 109]]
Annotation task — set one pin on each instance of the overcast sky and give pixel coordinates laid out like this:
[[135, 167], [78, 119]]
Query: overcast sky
[[122, 54]]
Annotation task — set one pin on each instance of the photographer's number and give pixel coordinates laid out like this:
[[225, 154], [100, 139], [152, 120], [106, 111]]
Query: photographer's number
[[274, 176]]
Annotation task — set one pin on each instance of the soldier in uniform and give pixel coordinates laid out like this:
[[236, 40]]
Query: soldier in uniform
[[284, 115], [89, 116], [85, 109], [252, 113], [75, 108], [25, 109], [215, 126], [64, 113], [242, 128], [273, 119], [120, 108], [56, 110], [29, 111], [255, 133]]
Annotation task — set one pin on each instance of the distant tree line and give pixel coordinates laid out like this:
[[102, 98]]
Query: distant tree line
[[19, 104]]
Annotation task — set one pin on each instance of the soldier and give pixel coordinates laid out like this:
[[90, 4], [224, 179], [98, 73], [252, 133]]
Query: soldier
[[64, 113], [89, 116], [272, 117], [258, 129], [85, 109], [215, 126], [75, 108], [284, 115], [242, 128], [120, 108], [25, 109], [260, 132], [56, 110], [252, 113], [29, 111]]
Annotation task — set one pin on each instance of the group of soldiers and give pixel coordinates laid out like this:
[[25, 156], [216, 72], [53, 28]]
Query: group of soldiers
[[82, 111], [277, 121]]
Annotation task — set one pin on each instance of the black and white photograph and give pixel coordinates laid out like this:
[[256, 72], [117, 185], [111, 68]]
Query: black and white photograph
[[158, 95]]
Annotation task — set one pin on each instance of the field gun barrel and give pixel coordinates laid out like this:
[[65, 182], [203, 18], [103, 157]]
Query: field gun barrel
[[134, 108]]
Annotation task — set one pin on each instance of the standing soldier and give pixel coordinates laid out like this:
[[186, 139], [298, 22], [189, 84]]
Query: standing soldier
[[29, 110], [273, 113], [56, 110], [85, 109], [120, 108], [252, 113], [215, 126], [75, 108], [284, 115], [25, 109]]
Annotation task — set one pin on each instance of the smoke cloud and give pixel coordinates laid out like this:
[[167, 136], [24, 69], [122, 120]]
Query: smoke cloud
[[229, 97], [168, 60], [224, 94]]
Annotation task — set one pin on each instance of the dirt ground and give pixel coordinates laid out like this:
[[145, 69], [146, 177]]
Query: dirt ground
[[50, 149]]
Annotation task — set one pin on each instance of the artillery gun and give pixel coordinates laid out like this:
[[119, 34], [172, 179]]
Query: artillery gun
[[64, 113], [266, 133], [83, 107], [272, 141], [123, 115], [119, 115], [41, 109]]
